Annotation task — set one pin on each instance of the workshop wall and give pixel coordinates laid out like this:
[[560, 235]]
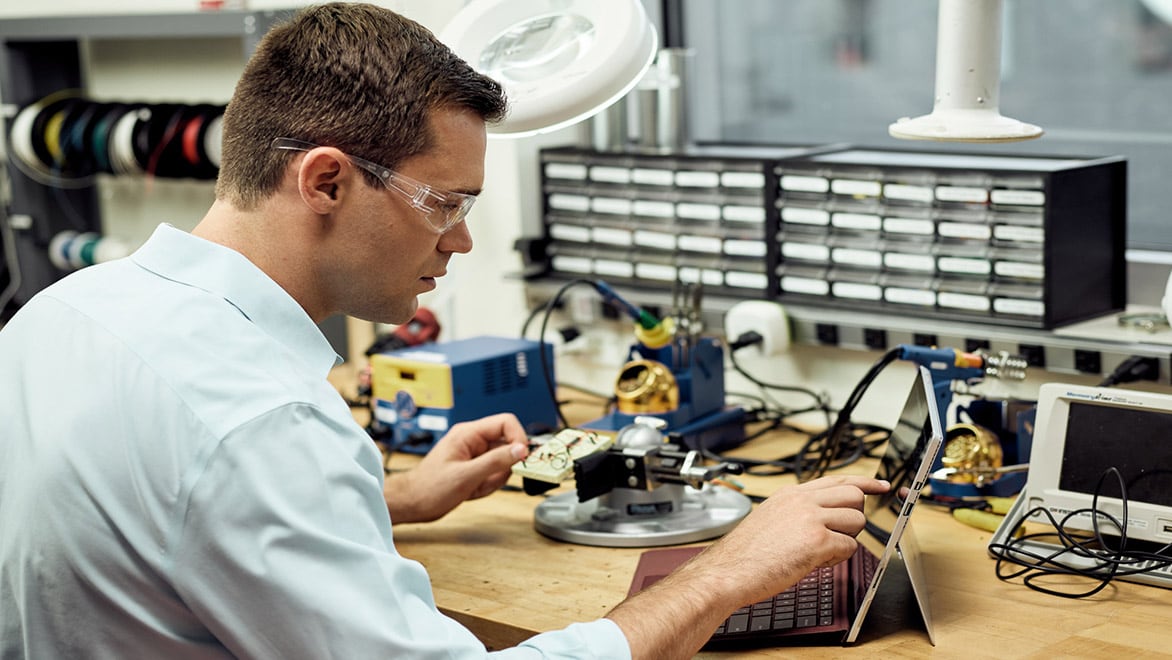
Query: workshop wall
[[477, 297]]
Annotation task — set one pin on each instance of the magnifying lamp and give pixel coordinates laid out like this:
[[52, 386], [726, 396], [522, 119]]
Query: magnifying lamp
[[560, 61], [968, 80], [1161, 8]]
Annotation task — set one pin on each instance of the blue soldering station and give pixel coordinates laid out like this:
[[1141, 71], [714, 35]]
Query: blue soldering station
[[675, 374], [949, 366]]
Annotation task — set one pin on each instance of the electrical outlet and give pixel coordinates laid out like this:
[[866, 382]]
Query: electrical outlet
[[827, 334], [1034, 354], [924, 339], [875, 339], [974, 345], [767, 319], [1088, 362]]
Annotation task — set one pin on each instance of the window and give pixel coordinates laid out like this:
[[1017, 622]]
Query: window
[[1095, 74]]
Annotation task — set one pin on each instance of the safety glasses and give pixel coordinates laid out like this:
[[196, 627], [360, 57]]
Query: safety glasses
[[442, 209]]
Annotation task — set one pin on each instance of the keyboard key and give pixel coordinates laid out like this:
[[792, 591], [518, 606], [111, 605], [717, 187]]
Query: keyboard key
[[738, 623], [783, 624]]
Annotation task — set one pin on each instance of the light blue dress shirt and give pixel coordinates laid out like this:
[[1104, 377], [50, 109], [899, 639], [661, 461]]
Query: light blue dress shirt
[[178, 479]]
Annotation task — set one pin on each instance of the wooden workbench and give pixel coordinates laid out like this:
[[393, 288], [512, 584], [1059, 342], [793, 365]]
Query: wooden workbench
[[506, 582], [493, 572]]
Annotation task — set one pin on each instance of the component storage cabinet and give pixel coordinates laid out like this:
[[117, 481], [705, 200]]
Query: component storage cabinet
[[1027, 241]]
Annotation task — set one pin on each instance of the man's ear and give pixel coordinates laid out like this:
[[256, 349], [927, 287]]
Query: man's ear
[[320, 176]]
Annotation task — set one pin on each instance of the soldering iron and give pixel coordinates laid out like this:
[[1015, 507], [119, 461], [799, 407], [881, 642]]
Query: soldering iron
[[948, 365], [650, 331]]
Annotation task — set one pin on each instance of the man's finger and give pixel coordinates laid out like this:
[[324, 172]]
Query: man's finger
[[868, 485]]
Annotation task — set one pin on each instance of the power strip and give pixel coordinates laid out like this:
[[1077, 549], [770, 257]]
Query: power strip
[[1050, 351], [1092, 348]]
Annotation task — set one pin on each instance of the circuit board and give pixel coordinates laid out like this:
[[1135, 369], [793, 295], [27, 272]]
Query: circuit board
[[553, 461]]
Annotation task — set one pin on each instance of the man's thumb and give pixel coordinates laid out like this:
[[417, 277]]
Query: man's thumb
[[505, 455]]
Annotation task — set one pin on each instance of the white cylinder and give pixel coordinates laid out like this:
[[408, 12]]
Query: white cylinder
[[968, 55], [968, 80]]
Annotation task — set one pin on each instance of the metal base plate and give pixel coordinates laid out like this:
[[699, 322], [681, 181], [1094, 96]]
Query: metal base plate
[[703, 514]]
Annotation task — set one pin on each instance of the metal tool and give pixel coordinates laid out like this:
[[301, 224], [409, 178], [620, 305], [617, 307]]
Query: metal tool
[[643, 492]]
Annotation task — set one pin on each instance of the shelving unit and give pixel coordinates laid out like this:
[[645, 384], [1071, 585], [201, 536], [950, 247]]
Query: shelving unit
[[1046, 229], [39, 56]]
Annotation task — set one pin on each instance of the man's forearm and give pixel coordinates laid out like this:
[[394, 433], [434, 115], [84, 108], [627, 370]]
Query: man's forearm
[[402, 500], [674, 617]]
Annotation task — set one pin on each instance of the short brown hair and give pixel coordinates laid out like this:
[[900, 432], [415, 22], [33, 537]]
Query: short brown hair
[[348, 75]]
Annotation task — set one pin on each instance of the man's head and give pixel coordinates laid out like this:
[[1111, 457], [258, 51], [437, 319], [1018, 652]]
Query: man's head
[[343, 119], [347, 75]]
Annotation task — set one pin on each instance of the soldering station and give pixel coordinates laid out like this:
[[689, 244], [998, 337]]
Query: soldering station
[[1003, 278]]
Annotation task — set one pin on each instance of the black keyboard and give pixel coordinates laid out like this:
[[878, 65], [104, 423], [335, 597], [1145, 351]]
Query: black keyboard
[[817, 604], [807, 604]]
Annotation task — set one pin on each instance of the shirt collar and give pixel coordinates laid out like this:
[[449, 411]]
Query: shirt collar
[[219, 270]]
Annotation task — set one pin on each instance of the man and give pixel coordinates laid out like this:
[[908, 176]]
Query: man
[[178, 478]]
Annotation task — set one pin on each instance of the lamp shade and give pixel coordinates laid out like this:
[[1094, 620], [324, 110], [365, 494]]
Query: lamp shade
[[560, 61]]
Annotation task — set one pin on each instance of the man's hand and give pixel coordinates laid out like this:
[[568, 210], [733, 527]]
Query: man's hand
[[471, 461], [796, 530]]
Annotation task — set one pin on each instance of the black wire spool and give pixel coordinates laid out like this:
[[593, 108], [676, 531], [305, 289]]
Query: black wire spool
[[157, 145]]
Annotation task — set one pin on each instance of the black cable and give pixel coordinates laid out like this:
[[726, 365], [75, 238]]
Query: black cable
[[819, 399], [854, 441], [831, 443], [1109, 563], [548, 308], [1136, 367]]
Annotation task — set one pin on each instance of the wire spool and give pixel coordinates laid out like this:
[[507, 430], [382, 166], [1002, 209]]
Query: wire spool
[[41, 129], [80, 250], [51, 129], [190, 139], [153, 138], [59, 249], [213, 139], [21, 134], [109, 248], [63, 139], [195, 141], [121, 144], [52, 137], [37, 133], [77, 137], [100, 135], [72, 250], [66, 159]]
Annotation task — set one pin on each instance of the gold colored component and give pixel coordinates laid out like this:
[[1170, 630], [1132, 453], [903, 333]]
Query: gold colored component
[[974, 451], [646, 386]]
